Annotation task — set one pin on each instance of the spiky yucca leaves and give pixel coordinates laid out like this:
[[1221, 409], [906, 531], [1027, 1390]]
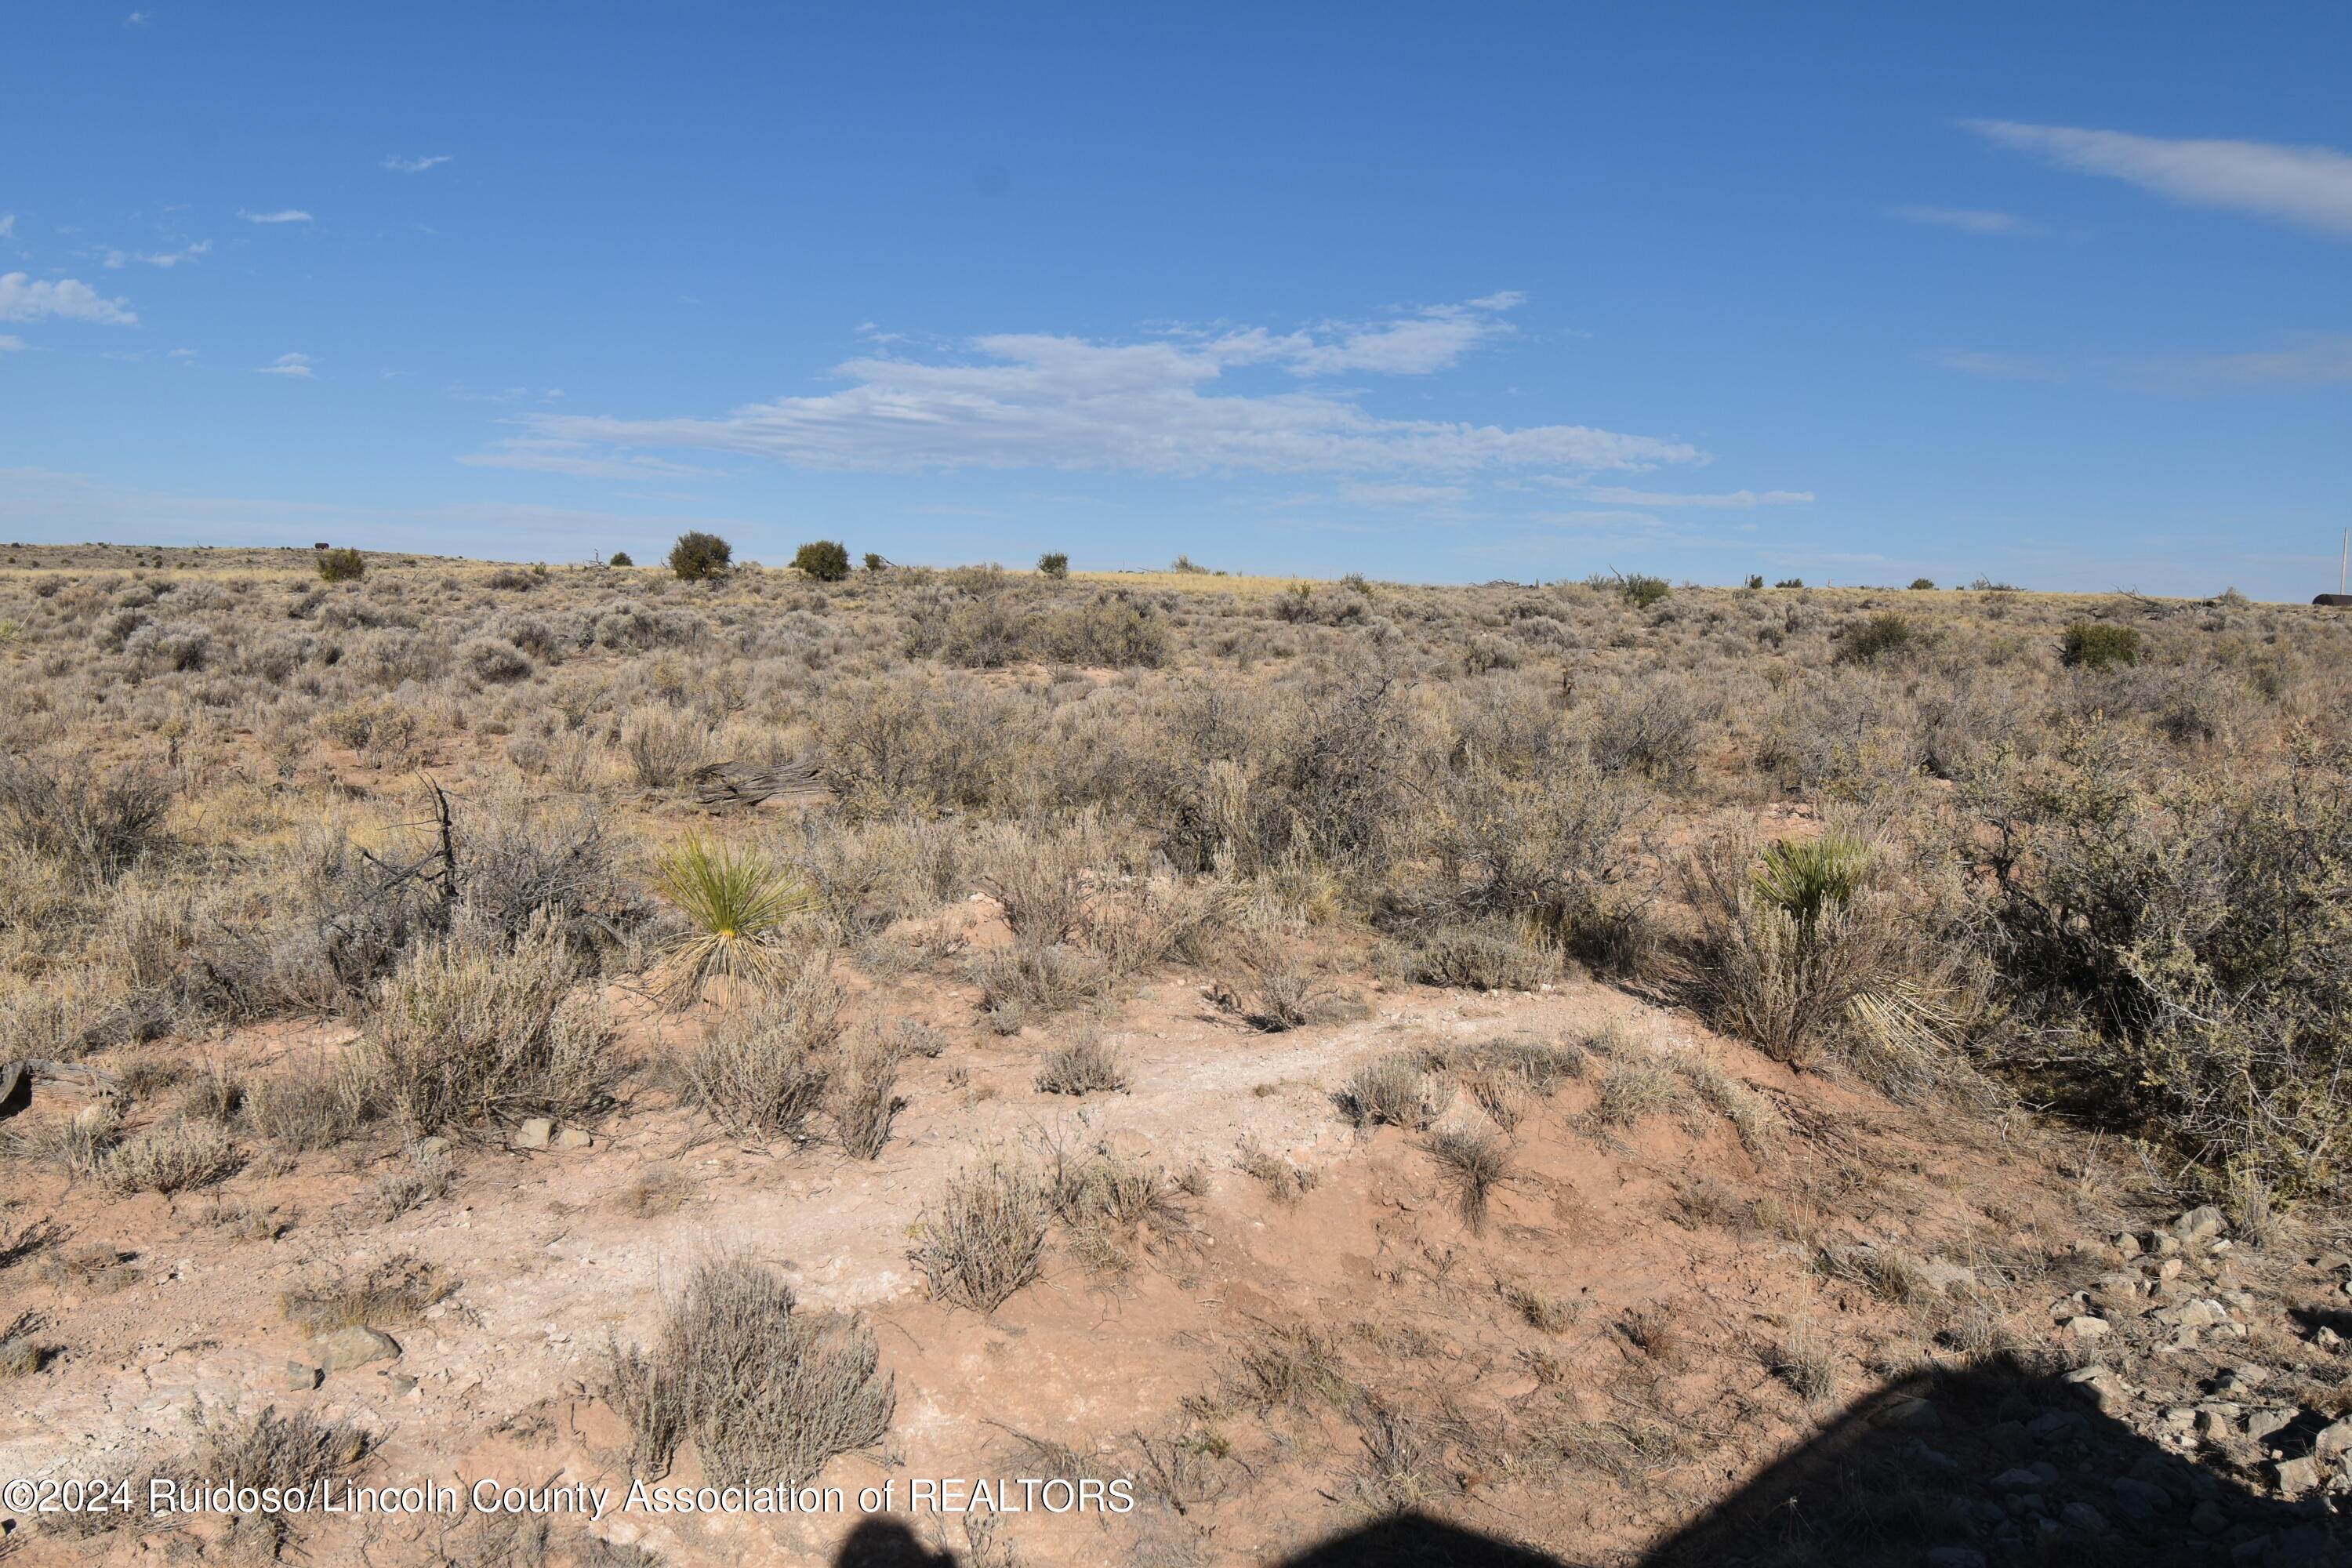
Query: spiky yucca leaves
[[1802, 878], [741, 906]]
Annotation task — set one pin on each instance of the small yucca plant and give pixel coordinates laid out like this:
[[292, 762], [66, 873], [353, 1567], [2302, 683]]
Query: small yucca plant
[[1803, 878], [740, 904]]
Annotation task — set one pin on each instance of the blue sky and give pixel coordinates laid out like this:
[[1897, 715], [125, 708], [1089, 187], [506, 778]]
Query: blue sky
[[2051, 294]]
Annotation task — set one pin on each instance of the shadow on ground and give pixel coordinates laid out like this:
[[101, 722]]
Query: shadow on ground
[[1983, 1467]]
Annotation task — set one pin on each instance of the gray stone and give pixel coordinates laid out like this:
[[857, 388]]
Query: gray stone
[[431, 1148], [572, 1138], [2200, 1223], [2140, 1500], [2081, 1516], [2333, 1438], [2207, 1518], [534, 1133], [2087, 1327], [2128, 1244], [2214, 1426], [2297, 1475], [1912, 1412], [2263, 1423], [354, 1346], [302, 1377]]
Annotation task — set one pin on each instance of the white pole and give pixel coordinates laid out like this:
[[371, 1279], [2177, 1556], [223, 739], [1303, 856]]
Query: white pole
[[2344, 567]]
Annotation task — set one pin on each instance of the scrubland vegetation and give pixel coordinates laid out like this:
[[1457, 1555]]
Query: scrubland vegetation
[[1983, 852]]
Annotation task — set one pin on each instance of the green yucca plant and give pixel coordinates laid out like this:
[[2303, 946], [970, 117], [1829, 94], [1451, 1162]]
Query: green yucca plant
[[1802, 878], [741, 905]]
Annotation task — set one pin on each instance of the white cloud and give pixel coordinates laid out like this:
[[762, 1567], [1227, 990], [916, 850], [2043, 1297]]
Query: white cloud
[[7, 226], [1972, 220], [288, 364], [12, 345], [138, 18], [1433, 339], [1401, 495], [2317, 359], [544, 456], [287, 214], [1039, 401], [1615, 495], [166, 260], [2309, 185], [22, 299], [411, 165]]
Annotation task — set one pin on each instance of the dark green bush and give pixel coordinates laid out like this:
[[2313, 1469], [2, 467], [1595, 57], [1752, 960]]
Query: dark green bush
[[1755, 580], [345, 565], [1052, 564], [2093, 646], [620, 558], [696, 556], [1884, 633], [824, 560], [1645, 591], [1789, 583], [1923, 584]]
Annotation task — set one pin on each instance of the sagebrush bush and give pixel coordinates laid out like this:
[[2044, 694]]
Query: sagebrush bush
[[766, 1391], [762, 1065], [344, 566], [469, 1035], [2096, 646], [985, 1237]]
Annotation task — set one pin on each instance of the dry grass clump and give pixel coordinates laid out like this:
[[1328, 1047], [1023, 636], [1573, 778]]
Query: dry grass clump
[[761, 1066], [469, 1035], [1636, 1088], [653, 1191], [1108, 1200], [766, 1392], [1476, 1160], [1391, 1090], [1080, 1065], [171, 1158], [396, 1289], [305, 1110], [1801, 1361], [421, 1174], [1285, 1181], [1752, 1115], [266, 1449], [864, 1100], [1490, 957], [985, 1237], [1540, 1310], [76, 1144]]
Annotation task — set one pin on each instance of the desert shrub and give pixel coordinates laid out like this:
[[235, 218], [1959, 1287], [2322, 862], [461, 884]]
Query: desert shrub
[[1653, 730], [1014, 977], [766, 1391], [77, 1145], [698, 556], [1287, 998], [740, 909], [664, 748], [864, 1101], [1391, 1090], [495, 661], [469, 1035], [170, 1158], [1919, 585], [175, 645], [1084, 1065], [1884, 633], [1053, 563], [1107, 1200], [1642, 592], [99, 823], [762, 1066], [344, 566], [391, 1291], [516, 864], [1635, 1088], [824, 560], [1786, 947], [421, 1174], [289, 1453], [620, 558], [1477, 1162], [302, 1110], [2177, 953], [1110, 630], [985, 1238], [2094, 645], [1495, 956]]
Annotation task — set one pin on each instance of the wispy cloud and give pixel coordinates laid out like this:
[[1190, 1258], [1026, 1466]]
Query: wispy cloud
[[1972, 220], [23, 300], [1032, 400], [2319, 359], [1432, 339], [2002, 367], [1617, 495], [411, 165], [288, 364], [7, 226], [545, 455], [2308, 185], [166, 260], [285, 215], [12, 345], [138, 18], [1401, 495]]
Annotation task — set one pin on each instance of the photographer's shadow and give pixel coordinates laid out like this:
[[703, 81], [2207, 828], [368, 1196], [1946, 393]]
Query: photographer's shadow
[[1982, 1466]]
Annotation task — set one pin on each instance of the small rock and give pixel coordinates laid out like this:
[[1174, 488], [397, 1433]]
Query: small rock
[[354, 1346], [2297, 1475], [2050, 1424], [2198, 1223], [2088, 1328], [433, 1147], [2214, 1427], [1913, 1413], [2326, 1338], [302, 1377], [2163, 1243], [2128, 1244], [400, 1382], [2180, 1417], [2207, 1518], [2168, 1269], [534, 1133], [2203, 1314], [2263, 1423], [2138, 1498], [2025, 1478], [2081, 1516], [572, 1138], [2333, 1438]]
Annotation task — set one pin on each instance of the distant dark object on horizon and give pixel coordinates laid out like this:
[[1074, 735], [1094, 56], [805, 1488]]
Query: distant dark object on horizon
[[2334, 601]]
